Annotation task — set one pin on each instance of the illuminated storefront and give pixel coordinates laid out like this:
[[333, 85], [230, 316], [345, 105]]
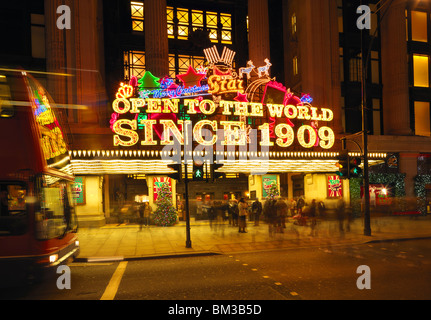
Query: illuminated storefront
[[253, 125]]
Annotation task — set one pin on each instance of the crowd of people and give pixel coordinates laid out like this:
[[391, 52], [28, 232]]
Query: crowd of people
[[275, 212]]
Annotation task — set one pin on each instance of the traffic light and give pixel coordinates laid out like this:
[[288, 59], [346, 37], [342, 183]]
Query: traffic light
[[198, 170], [216, 175], [355, 171], [343, 166], [177, 175]]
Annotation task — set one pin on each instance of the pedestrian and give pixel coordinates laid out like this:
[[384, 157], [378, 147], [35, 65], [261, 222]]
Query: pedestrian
[[281, 207], [147, 213], [300, 204], [256, 209], [233, 211], [141, 215], [321, 209], [341, 210], [293, 205], [242, 216], [313, 219], [270, 213]]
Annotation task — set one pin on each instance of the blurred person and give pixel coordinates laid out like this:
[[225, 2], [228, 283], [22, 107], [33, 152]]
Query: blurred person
[[321, 209], [147, 213], [300, 204], [242, 215], [313, 219], [256, 209], [233, 211], [270, 214], [211, 212], [341, 211], [293, 208], [141, 215], [281, 208]]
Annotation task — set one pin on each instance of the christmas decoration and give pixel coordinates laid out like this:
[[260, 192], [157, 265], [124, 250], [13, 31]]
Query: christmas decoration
[[272, 192], [420, 190], [191, 78], [165, 214]]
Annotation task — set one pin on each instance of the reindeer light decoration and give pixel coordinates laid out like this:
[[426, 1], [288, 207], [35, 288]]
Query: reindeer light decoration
[[264, 69], [247, 70]]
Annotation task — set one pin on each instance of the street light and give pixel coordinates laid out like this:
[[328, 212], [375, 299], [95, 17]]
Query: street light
[[365, 57]]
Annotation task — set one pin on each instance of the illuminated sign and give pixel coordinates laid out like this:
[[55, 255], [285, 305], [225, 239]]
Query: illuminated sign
[[217, 98], [52, 141], [158, 183], [335, 187]]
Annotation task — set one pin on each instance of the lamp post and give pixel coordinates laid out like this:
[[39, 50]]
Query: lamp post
[[365, 57], [367, 218]]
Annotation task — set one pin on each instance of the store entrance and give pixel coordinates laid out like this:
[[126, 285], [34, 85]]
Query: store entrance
[[126, 193]]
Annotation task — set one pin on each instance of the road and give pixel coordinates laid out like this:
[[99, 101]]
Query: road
[[399, 270]]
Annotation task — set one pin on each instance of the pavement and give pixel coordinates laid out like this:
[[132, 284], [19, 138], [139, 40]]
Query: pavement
[[116, 242]]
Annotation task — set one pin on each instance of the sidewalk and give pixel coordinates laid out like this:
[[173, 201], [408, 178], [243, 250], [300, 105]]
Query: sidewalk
[[118, 242]]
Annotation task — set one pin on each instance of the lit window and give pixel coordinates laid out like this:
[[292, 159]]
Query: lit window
[[172, 71], [182, 66], [295, 66], [134, 64], [293, 24], [422, 118], [375, 71], [170, 19], [183, 23], [226, 25], [419, 26], [137, 9], [197, 19], [421, 70], [212, 26]]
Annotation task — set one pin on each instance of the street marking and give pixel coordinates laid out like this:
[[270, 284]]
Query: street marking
[[78, 264], [294, 294], [114, 283], [277, 283]]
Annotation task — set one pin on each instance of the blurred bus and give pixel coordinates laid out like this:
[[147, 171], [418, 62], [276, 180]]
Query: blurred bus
[[38, 224]]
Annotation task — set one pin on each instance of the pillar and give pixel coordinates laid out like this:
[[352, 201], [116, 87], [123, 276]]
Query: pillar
[[409, 166], [395, 72], [258, 17], [319, 63], [156, 38]]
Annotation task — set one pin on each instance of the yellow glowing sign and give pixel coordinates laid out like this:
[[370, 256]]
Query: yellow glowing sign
[[235, 132]]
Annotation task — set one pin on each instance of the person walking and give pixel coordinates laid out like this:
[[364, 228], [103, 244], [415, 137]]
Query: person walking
[[281, 214], [270, 213], [147, 213], [242, 216], [256, 209], [233, 212], [141, 215], [313, 218]]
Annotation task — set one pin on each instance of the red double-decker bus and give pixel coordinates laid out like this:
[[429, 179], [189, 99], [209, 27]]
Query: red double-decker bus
[[38, 224]]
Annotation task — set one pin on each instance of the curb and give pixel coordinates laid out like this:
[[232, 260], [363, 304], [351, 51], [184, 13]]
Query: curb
[[399, 239], [153, 257]]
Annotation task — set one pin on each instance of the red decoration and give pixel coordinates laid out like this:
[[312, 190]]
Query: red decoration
[[241, 97], [191, 78]]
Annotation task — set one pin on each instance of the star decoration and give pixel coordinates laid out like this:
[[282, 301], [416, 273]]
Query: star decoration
[[241, 97], [191, 78]]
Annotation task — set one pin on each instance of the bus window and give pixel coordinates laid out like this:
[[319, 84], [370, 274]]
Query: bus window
[[6, 109], [13, 213], [56, 215]]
